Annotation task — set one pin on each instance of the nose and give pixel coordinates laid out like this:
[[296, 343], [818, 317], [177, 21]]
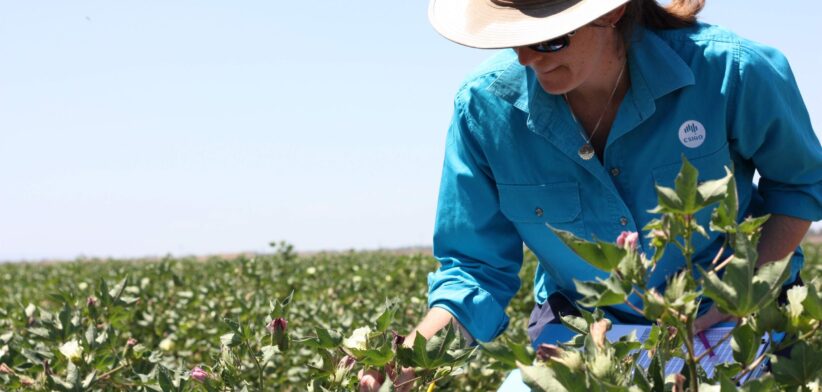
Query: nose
[[527, 57]]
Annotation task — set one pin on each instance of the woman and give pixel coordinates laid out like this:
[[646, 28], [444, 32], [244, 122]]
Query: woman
[[597, 101]]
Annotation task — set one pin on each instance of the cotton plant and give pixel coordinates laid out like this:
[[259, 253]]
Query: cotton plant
[[735, 284]]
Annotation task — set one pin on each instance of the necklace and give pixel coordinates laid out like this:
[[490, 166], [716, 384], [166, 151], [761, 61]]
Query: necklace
[[586, 152]]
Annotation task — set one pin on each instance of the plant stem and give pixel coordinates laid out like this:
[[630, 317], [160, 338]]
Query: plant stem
[[632, 306], [689, 344], [256, 362]]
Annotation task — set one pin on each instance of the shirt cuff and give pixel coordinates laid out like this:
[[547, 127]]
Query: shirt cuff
[[799, 204], [474, 308]]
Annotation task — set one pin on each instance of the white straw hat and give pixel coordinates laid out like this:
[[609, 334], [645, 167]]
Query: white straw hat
[[493, 24]]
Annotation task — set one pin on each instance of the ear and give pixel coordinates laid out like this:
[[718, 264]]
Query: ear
[[614, 16]]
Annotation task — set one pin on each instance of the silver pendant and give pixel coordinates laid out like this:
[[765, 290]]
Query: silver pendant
[[586, 152]]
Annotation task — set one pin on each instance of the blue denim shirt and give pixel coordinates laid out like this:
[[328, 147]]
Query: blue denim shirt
[[511, 164]]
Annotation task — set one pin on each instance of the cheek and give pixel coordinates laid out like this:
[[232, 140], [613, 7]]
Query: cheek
[[559, 81]]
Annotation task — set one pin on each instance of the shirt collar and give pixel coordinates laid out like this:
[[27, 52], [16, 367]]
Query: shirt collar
[[656, 70]]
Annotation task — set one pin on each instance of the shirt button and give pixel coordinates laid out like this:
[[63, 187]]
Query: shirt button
[[538, 212], [615, 171], [623, 221]]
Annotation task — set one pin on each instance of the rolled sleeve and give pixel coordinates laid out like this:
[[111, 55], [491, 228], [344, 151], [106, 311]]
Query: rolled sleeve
[[771, 127], [479, 250]]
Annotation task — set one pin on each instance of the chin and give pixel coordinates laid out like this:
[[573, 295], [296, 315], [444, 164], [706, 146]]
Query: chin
[[555, 87]]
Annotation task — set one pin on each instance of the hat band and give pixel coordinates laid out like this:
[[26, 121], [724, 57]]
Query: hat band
[[528, 4]]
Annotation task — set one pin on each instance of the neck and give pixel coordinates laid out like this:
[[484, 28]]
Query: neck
[[603, 81]]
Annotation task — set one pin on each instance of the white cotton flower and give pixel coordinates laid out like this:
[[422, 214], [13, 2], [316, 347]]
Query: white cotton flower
[[72, 350], [82, 286], [357, 340], [356, 279], [311, 270], [167, 344]]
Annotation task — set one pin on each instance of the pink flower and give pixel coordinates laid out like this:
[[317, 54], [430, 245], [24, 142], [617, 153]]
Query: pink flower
[[131, 342], [628, 240], [199, 374], [397, 340], [347, 363], [91, 301], [279, 324]]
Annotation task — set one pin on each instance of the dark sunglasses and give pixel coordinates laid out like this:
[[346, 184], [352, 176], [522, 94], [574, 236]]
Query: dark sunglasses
[[553, 45]]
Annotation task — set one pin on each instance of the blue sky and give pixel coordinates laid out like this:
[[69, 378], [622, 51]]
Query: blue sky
[[139, 128]]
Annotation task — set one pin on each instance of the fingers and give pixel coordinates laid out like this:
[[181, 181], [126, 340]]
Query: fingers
[[405, 379], [370, 380]]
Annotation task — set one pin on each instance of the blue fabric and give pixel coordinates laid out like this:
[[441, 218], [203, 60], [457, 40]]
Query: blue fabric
[[511, 164]]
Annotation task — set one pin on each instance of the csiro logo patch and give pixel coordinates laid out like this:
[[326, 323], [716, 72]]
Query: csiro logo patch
[[692, 134]]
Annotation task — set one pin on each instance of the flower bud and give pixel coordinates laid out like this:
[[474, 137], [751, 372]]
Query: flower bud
[[547, 351], [347, 362], [279, 324], [397, 340], [278, 327], [5, 369], [627, 240], [199, 374]]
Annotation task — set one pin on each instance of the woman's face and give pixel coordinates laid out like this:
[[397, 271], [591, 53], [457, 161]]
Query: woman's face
[[581, 62]]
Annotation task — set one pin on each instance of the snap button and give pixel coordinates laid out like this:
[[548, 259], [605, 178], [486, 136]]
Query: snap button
[[623, 221], [538, 211], [615, 171]]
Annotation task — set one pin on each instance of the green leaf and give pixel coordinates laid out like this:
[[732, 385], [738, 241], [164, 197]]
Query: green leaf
[[751, 225], [741, 292], [507, 353], [165, 380], [387, 317], [328, 338], [770, 318], [601, 293], [575, 324], [713, 191], [745, 343], [117, 291], [668, 201], [813, 303], [803, 366], [602, 255], [541, 378], [230, 339], [377, 357], [686, 187]]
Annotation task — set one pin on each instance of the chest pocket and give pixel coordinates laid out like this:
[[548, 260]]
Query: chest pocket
[[710, 167], [556, 204]]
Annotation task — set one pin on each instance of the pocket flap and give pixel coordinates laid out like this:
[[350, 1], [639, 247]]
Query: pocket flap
[[547, 203]]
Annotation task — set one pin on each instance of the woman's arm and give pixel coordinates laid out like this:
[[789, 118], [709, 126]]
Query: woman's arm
[[781, 234], [436, 319]]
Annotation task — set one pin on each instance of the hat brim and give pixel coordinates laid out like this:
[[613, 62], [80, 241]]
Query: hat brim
[[486, 25]]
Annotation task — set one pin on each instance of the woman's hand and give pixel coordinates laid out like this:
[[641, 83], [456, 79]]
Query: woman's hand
[[371, 380], [712, 317]]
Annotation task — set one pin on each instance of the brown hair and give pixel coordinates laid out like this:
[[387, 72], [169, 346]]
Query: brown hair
[[649, 13]]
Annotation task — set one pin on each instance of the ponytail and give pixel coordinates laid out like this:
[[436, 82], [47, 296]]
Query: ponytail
[[649, 13], [677, 14]]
